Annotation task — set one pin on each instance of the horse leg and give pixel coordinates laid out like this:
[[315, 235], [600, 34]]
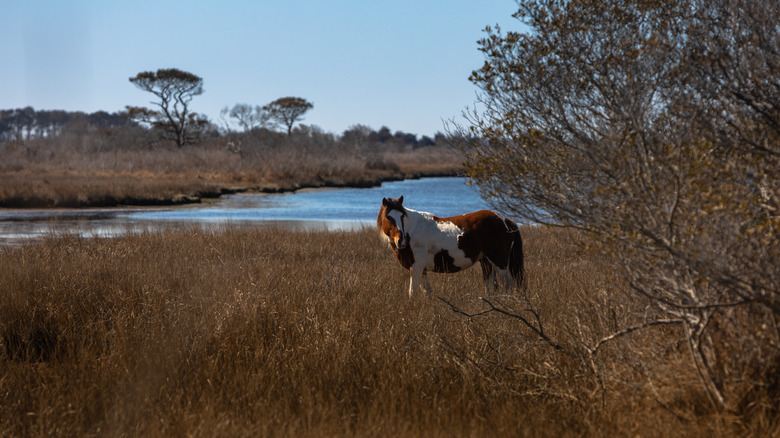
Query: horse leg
[[416, 276], [426, 284], [507, 280], [488, 274]]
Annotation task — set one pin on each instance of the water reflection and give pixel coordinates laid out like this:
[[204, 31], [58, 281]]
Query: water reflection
[[330, 209]]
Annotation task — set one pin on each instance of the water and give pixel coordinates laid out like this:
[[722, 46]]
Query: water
[[331, 209]]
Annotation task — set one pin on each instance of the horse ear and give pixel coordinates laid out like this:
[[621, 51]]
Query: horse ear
[[384, 202], [401, 200]]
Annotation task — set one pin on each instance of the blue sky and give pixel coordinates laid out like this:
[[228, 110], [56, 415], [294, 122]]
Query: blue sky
[[402, 63]]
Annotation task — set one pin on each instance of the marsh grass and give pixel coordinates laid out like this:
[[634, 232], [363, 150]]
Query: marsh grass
[[277, 332], [65, 172]]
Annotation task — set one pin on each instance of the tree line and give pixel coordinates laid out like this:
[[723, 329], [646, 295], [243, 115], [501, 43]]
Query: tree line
[[172, 120], [26, 124]]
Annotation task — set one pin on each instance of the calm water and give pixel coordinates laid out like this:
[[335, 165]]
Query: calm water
[[332, 209]]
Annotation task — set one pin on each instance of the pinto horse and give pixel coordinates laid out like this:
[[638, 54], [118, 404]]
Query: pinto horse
[[423, 242]]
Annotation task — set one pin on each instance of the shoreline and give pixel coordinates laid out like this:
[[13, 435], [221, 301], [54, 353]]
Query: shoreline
[[19, 225], [212, 191]]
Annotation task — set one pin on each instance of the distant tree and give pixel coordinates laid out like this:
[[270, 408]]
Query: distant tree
[[286, 111], [102, 119], [406, 138], [19, 124], [248, 117], [51, 122], [5, 124], [426, 141], [27, 118], [357, 132], [356, 138], [382, 135], [174, 89]]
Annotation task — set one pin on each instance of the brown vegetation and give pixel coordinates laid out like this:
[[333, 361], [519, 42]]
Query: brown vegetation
[[654, 127], [273, 332], [88, 166]]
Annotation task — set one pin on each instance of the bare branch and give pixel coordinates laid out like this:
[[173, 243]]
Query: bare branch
[[602, 341], [494, 308]]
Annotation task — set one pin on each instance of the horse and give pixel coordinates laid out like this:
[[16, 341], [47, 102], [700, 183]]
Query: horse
[[424, 242]]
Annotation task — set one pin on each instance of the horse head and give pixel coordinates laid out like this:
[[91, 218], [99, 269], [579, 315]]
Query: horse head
[[390, 222]]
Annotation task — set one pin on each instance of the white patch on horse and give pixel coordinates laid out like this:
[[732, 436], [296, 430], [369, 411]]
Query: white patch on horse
[[438, 236]]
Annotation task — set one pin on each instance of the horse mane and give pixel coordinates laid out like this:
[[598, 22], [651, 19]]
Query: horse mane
[[379, 219]]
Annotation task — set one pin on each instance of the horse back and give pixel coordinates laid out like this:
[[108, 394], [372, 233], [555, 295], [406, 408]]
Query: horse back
[[485, 233]]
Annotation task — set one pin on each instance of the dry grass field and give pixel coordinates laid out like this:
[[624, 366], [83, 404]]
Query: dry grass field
[[56, 173], [275, 332]]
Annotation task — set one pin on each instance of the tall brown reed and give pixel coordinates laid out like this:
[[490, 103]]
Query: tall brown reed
[[98, 169], [276, 332]]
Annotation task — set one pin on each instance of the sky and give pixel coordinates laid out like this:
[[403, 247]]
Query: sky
[[403, 64]]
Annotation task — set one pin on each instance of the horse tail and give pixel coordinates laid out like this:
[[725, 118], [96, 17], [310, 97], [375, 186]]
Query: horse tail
[[516, 266]]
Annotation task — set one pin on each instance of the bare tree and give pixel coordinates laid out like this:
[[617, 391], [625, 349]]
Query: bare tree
[[287, 111], [248, 117], [174, 89], [654, 127]]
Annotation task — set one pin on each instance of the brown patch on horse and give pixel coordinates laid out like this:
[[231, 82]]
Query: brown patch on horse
[[404, 256], [444, 263], [485, 234]]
